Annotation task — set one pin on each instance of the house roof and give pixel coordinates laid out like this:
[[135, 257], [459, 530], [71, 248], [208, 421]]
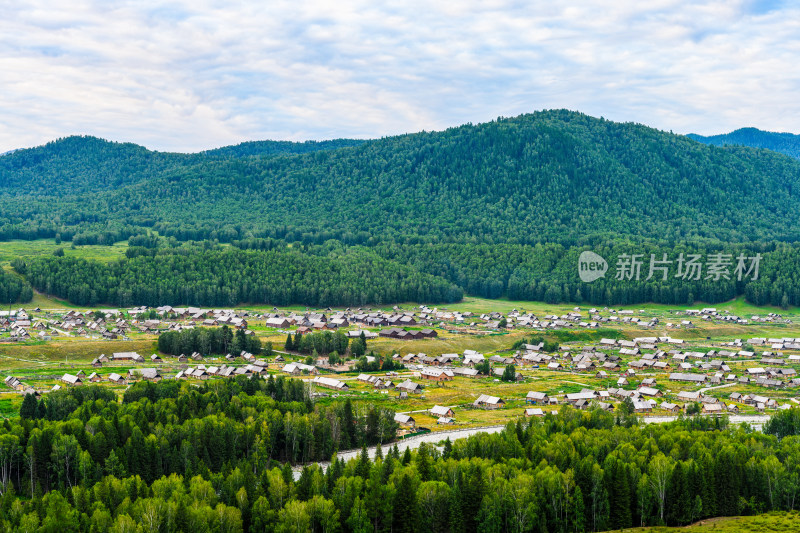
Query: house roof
[[440, 410], [491, 400]]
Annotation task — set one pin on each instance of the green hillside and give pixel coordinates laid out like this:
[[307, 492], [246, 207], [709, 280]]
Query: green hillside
[[553, 176], [501, 208]]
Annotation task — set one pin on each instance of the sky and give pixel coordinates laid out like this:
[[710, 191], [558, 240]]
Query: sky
[[194, 75]]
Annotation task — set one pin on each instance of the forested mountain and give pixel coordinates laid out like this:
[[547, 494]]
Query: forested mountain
[[498, 208], [553, 176], [785, 143]]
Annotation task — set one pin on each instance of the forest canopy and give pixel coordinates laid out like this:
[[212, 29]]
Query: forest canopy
[[271, 272], [204, 458], [229, 277]]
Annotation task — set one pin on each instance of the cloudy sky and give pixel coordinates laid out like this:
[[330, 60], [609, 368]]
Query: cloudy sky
[[187, 76]]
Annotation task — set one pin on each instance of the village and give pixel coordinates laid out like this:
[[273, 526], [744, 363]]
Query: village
[[439, 382]]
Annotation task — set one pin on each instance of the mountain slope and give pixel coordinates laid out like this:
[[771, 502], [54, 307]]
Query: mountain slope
[[785, 143], [553, 176]]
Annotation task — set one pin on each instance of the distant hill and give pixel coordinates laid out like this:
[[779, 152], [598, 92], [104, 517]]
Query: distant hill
[[784, 143], [553, 176]]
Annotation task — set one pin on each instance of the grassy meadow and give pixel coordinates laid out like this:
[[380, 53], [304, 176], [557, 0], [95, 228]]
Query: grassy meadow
[[777, 522]]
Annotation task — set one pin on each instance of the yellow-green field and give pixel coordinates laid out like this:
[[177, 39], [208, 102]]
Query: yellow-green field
[[756, 524], [24, 249], [40, 363]]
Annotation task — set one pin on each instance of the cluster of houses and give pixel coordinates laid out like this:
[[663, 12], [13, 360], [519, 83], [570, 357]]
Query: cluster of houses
[[409, 335], [114, 323], [682, 365], [443, 415], [105, 323], [111, 324], [399, 319], [296, 369], [17, 323], [646, 398], [200, 371], [203, 372], [712, 314], [17, 385], [199, 316], [376, 382], [150, 374]]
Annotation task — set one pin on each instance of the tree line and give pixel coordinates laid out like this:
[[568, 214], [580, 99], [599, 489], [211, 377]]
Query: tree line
[[208, 341], [75, 437], [321, 343], [231, 277], [207, 274]]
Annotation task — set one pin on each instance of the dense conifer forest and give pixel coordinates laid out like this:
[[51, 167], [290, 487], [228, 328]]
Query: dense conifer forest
[[13, 289], [173, 457], [270, 271], [228, 277], [496, 209]]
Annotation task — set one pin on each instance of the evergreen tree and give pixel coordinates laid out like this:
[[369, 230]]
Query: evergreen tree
[[29, 407], [509, 374], [405, 506]]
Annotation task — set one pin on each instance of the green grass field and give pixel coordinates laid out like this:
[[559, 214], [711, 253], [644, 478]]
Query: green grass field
[[761, 523], [11, 250]]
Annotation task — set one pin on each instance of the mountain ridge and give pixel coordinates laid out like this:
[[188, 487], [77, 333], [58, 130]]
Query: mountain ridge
[[550, 176], [784, 143]]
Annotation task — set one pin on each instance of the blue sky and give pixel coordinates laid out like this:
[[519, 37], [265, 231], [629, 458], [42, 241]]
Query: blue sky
[[188, 76]]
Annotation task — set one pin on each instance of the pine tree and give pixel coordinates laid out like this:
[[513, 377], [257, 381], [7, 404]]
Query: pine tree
[[404, 515], [363, 465], [406, 457], [298, 341], [448, 448], [619, 495], [28, 408], [349, 425], [424, 463]]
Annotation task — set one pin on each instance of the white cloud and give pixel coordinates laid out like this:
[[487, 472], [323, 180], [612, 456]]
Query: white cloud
[[194, 75]]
